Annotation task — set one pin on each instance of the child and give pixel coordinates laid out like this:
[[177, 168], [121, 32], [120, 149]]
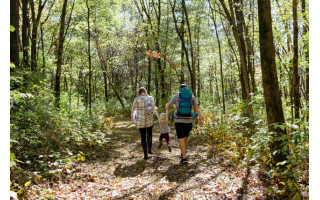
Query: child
[[164, 128]]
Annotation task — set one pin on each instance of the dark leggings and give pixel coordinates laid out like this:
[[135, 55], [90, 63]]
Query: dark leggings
[[146, 138]]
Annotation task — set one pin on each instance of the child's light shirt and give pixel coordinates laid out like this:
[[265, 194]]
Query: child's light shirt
[[164, 128]]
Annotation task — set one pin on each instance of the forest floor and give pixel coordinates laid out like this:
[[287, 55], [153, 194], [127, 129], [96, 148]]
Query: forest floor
[[119, 172]]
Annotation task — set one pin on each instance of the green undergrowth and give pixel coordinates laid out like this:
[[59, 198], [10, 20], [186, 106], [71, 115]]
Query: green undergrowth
[[46, 142], [231, 139]]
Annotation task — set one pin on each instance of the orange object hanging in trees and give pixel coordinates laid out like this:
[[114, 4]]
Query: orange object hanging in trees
[[158, 56]]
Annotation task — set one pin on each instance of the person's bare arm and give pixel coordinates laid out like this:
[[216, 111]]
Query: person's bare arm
[[133, 111], [196, 107], [168, 105], [157, 112]]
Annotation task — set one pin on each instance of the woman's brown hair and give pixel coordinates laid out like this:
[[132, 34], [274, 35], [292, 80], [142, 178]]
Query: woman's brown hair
[[142, 90]]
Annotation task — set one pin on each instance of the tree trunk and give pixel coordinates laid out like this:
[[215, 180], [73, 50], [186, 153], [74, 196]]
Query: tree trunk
[[34, 35], [296, 78], [43, 56], [59, 54], [191, 72], [182, 50], [89, 56], [305, 32], [24, 33], [220, 59], [193, 77], [104, 67], [215, 77], [14, 36], [237, 30], [269, 78], [149, 64]]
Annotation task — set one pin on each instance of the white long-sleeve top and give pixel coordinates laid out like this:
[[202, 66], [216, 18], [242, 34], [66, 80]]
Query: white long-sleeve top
[[138, 111], [164, 128]]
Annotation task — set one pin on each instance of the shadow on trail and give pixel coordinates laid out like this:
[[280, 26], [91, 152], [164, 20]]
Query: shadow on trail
[[130, 170], [180, 172], [186, 172], [244, 187], [123, 135]]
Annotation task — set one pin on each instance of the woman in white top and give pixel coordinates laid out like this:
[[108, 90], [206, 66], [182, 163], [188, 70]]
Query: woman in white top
[[143, 120]]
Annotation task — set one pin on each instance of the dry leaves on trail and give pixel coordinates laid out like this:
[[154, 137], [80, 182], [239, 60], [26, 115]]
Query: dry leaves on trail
[[125, 175]]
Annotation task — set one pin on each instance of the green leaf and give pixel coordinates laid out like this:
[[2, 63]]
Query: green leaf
[[27, 184], [12, 65], [12, 28], [12, 157]]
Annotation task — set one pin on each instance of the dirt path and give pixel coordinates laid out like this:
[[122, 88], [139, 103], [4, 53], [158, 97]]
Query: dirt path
[[121, 173]]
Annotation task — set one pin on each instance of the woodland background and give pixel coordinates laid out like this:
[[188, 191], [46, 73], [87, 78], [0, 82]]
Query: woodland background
[[75, 67]]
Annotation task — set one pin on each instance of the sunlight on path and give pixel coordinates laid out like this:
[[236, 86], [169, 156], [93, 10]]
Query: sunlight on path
[[125, 175]]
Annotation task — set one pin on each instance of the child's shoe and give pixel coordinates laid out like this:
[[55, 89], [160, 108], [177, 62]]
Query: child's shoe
[[169, 148], [159, 145], [184, 160]]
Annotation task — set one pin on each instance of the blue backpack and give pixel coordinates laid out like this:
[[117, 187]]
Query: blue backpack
[[184, 105]]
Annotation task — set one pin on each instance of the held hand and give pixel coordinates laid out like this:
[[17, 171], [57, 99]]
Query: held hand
[[200, 122], [133, 120]]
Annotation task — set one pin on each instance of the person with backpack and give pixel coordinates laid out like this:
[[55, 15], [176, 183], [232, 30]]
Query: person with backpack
[[142, 115], [184, 101]]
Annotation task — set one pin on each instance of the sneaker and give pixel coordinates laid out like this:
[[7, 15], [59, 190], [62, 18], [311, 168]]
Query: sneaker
[[184, 160], [169, 148], [159, 145]]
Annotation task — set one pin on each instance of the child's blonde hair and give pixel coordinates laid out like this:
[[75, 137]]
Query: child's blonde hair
[[163, 118]]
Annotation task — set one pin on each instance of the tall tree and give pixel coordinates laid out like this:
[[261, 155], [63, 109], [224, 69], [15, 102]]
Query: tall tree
[[89, 55], [60, 53], [194, 79], [14, 36], [306, 49], [173, 7], [236, 21], [220, 57], [24, 33], [35, 24], [296, 77], [269, 78]]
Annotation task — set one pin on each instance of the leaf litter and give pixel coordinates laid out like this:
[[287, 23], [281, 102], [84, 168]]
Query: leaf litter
[[123, 174]]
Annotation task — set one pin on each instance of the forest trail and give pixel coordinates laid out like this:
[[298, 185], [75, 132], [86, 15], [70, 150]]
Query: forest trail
[[121, 173]]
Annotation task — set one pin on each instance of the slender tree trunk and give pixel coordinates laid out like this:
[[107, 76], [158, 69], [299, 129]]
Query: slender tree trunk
[[34, 35], [103, 69], [242, 51], [165, 55], [217, 86], [237, 30], [269, 78], [191, 72], [60, 53], [89, 55], [104, 66], [305, 32], [182, 50], [14, 36], [42, 49], [149, 63], [24, 33], [296, 78], [194, 78], [220, 59]]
